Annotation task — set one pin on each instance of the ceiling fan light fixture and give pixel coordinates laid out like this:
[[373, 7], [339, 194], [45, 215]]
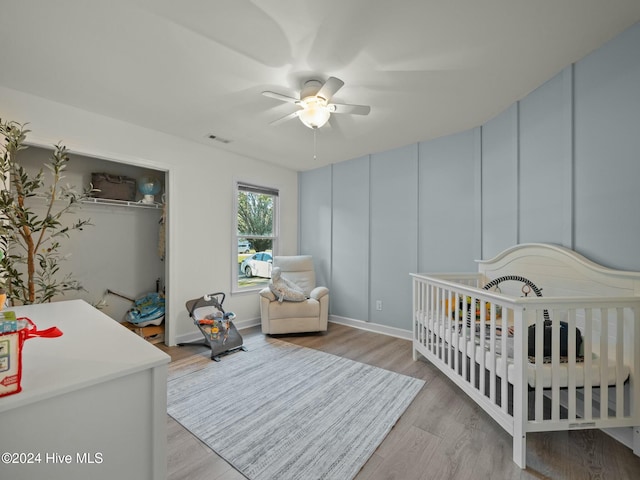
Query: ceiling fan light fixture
[[313, 103], [315, 112]]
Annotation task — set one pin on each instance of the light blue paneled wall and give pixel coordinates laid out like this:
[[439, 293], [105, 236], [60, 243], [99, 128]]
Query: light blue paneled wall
[[350, 252], [394, 233], [499, 183], [607, 153], [561, 166], [545, 163], [448, 202], [315, 220]]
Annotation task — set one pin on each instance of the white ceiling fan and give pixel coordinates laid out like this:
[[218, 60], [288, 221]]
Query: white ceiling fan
[[315, 108]]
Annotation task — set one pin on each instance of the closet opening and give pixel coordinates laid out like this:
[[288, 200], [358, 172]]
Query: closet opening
[[121, 256]]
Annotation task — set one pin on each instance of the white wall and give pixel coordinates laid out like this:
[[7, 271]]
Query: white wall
[[199, 192]]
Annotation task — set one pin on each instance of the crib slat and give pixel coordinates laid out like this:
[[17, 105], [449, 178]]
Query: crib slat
[[453, 333], [445, 327], [604, 362], [571, 365], [619, 362], [465, 312], [482, 334], [520, 398], [472, 343], [432, 314], [440, 348], [588, 363], [422, 313], [492, 354], [423, 310], [419, 312], [539, 362], [437, 350], [439, 328], [634, 401], [555, 366], [504, 358], [425, 315]]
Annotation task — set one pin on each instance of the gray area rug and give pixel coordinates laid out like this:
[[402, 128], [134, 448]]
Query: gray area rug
[[280, 411]]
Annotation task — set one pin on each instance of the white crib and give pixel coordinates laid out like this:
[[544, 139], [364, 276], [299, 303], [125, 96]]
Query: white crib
[[458, 326]]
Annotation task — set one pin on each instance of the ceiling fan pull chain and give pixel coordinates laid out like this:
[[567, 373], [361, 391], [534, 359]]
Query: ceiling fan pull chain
[[314, 143]]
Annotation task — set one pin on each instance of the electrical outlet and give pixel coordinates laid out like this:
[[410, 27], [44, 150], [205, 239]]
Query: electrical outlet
[[379, 305]]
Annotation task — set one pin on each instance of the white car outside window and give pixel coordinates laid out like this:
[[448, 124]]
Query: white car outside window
[[257, 265]]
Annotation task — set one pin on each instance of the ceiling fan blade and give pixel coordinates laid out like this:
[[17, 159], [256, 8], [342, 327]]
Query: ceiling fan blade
[[279, 96], [285, 118], [330, 87], [353, 109]]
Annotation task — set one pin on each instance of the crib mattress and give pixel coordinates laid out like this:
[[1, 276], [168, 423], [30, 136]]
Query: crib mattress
[[543, 374]]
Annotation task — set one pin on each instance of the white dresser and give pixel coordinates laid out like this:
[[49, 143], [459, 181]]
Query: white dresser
[[93, 403]]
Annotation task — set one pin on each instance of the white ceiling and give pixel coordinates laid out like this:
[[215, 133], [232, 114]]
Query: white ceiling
[[191, 68]]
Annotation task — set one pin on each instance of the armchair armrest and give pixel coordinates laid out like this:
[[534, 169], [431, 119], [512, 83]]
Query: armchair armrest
[[268, 294], [319, 292]]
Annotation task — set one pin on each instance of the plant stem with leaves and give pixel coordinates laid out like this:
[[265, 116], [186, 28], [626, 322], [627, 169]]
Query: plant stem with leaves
[[31, 242]]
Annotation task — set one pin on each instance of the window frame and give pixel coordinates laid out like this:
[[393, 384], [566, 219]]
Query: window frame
[[238, 186]]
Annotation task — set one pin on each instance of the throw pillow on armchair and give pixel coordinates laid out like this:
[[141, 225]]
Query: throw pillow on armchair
[[285, 289]]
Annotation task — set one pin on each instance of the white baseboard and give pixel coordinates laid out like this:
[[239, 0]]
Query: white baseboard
[[372, 327], [350, 322], [242, 324], [623, 435], [188, 337]]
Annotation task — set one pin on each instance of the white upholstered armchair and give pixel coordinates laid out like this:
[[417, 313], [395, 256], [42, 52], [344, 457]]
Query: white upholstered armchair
[[310, 315]]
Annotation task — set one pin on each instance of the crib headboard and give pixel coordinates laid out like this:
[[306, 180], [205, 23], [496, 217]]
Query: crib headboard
[[559, 272]]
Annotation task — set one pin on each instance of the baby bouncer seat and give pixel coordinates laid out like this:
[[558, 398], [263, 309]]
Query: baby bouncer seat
[[216, 325]]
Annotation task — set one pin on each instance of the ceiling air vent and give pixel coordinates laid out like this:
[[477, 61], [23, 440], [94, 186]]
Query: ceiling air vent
[[218, 139]]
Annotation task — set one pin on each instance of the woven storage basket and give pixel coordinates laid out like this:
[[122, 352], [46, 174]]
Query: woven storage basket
[[114, 187]]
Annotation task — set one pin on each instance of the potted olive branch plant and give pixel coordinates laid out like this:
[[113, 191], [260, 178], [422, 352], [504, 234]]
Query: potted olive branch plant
[[30, 267]]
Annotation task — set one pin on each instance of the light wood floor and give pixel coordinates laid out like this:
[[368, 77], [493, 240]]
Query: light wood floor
[[442, 435]]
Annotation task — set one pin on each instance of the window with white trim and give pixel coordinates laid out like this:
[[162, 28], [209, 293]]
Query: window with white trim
[[256, 235]]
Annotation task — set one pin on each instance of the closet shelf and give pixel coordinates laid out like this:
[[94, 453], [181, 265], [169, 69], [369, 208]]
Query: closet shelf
[[121, 203]]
